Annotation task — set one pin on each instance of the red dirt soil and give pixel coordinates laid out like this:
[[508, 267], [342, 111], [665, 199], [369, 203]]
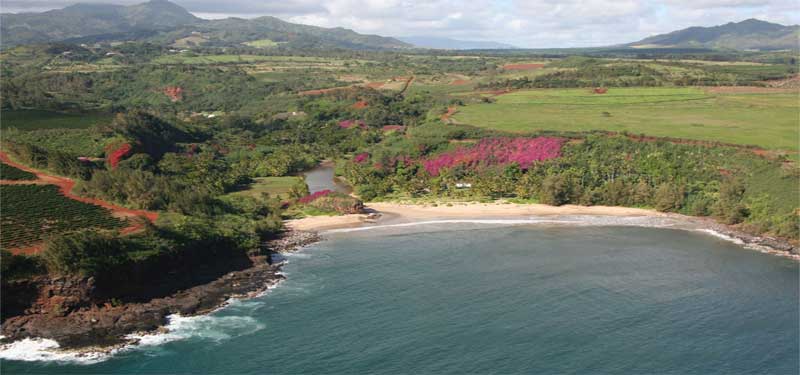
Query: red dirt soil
[[522, 66], [361, 104], [66, 185], [174, 93], [459, 82]]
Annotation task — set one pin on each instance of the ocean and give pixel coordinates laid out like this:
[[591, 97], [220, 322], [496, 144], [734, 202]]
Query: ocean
[[476, 297]]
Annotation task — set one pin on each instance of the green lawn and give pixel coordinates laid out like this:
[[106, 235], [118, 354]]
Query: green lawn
[[275, 186], [766, 120], [36, 119]]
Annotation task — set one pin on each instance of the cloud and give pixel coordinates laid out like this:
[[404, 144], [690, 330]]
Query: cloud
[[525, 23]]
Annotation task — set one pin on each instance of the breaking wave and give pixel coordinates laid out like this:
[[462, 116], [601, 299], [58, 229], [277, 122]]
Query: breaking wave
[[579, 220]]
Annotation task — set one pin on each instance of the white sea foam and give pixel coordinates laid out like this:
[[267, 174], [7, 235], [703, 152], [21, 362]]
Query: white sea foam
[[579, 220], [202, 327], [35, 349], [751, 246], [721, 236]]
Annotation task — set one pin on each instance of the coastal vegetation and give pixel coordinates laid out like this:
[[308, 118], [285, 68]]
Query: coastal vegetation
[[213, 141]]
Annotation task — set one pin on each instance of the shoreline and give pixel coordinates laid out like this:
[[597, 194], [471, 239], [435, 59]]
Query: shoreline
[[394, 214], [265, 275], [92, 331]]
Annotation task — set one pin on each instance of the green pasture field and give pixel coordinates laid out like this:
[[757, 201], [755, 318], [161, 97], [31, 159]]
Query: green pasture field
[[765, 120], [262, 43], [33, 212], [37, 119], [274, 186]]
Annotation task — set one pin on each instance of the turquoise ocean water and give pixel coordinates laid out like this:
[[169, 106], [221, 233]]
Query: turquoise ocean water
[[470, 298]]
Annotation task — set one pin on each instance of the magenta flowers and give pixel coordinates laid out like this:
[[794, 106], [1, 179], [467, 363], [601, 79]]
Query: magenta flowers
[[497, 151], [361, 158], [312, 197]]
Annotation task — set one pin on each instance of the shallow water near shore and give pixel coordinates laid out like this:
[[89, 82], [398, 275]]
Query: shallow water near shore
[[455, 297]]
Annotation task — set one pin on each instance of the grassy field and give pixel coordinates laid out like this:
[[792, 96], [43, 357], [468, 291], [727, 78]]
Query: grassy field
[[32, 212], [274, 186], [765, 120], [262, 43], [36, 119]]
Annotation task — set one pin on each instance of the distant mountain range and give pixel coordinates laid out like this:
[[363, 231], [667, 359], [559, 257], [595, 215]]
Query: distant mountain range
[[447, 43], [751, 34], [165, 22]]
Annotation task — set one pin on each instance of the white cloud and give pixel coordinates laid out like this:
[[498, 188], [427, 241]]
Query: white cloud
[[526, 23]]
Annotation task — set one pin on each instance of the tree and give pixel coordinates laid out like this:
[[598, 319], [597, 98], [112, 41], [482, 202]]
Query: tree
[[642, 193], [555, 190], [729, 207], [669, 197]]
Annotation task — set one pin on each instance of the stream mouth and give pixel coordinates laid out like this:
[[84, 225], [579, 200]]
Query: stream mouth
[[322, 177]]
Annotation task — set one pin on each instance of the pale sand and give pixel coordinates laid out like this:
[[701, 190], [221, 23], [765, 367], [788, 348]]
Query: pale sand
[[397, 212]]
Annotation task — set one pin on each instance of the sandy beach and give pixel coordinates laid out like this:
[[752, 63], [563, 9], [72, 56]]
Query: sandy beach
[[389, 213], [399, 213]]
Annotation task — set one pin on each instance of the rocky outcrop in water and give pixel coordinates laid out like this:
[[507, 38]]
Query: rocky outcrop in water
[[69, 310]]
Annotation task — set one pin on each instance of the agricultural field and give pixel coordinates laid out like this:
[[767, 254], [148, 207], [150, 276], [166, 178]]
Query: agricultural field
[[39, 119], [33, 212], [767, 120], [274, 186], [82, 142], [8, 172]]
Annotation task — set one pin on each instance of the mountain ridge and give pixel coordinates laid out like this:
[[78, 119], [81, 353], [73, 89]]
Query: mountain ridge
[[167, 22], [748, 34]]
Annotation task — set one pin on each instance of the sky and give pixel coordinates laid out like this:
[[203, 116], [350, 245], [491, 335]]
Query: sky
[[523, 23]]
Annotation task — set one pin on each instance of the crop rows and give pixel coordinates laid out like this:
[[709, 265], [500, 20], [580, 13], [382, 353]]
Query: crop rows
[[32, 212], [8, 172]]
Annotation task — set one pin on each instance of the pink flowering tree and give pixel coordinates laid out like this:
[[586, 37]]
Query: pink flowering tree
[[497, 151]]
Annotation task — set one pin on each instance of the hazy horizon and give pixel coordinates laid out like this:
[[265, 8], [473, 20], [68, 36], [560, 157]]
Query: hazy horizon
[[525, 24]]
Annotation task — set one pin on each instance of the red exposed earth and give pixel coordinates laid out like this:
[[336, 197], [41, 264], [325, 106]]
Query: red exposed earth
[[175, 93]]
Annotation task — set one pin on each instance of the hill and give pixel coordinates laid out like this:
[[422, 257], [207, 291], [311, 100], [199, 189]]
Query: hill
[[167, 23], [448, 43], [751, 34], [83, 20]]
